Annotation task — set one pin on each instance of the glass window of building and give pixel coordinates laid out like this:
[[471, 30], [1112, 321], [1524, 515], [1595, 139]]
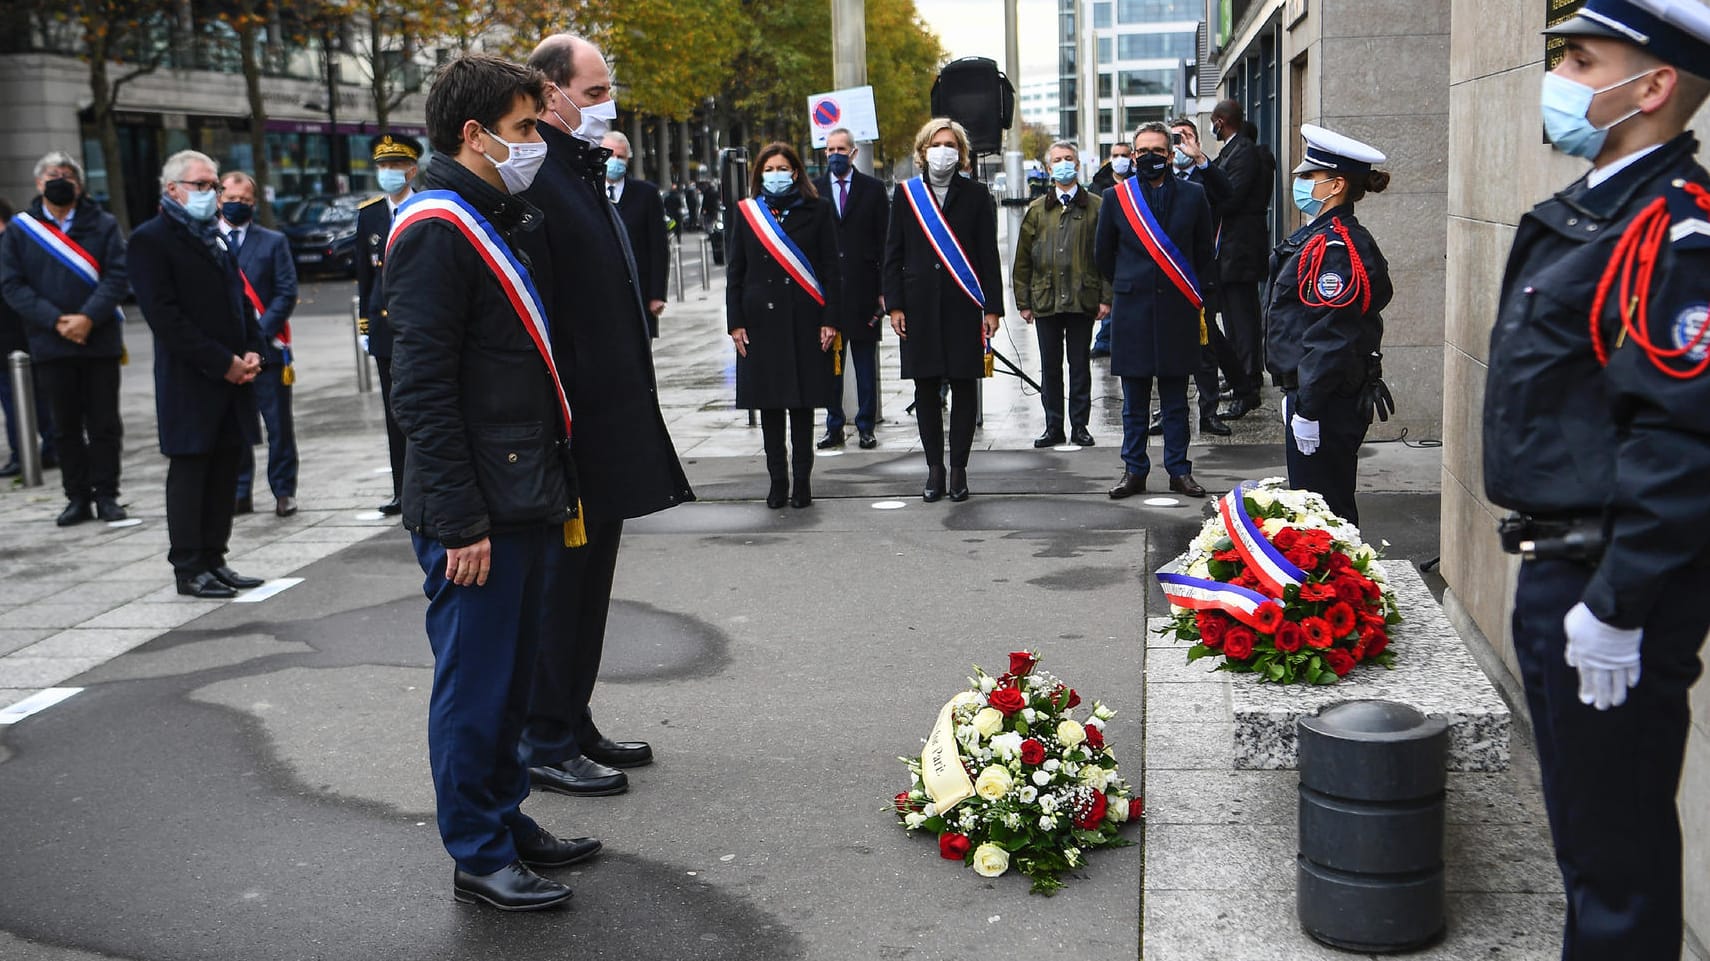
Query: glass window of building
[[1101, 14], [1104, 120], [1155, 46], [1158, 11], [1148, 83], [1106, 49]]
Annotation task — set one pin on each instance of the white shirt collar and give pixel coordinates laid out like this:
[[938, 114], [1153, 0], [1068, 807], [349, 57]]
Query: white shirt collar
[[614, 189], [392, 205], [1602, 174]]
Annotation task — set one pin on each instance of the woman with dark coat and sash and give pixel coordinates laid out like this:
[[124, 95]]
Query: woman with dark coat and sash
[[944, 291], [780, 292]]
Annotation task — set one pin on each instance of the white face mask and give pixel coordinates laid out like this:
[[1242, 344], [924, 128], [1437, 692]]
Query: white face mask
[[597, 118], [520, 165], [942, 160]]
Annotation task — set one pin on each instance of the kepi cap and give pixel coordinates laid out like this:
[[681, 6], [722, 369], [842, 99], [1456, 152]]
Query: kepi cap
[[396, 148], [1329, 150], [1677, 32]]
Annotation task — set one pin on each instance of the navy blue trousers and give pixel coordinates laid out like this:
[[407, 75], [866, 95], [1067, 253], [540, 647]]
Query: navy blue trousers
[[273, 398], [484, 641], [864, 357], [573, 636], [1610, 777], [1136, 418]]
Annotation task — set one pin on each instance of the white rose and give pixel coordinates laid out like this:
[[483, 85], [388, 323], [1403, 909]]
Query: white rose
[[913, 820], [1041, 778], [1028, 794], [1117, 812], [1261, 497], [1272, 525], [1048, 823], [1200, 569], [1052, 764], [993, 783], [1095, 777], [1070, 733], [1007, 744], [989, 721], [990, 860]]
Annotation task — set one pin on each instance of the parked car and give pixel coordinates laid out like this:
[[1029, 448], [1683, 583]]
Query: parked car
[[322, 232]]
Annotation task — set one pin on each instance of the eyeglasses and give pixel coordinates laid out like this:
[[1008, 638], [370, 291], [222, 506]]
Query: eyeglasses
[[199, 184]]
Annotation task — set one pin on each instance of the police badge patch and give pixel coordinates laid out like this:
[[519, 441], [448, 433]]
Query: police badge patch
[[1688, 331], [1329, 284]]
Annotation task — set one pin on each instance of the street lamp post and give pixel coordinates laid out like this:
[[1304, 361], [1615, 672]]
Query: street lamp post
[[849, 57]]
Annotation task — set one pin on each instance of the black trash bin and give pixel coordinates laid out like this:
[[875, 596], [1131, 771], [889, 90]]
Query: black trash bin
[[1370, 872]]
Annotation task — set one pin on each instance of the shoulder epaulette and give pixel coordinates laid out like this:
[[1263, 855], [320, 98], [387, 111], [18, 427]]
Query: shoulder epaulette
[[1688, 208], [370, 202]]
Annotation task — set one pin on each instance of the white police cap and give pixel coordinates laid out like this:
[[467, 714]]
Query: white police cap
[[1677, 32], [1329, 150]]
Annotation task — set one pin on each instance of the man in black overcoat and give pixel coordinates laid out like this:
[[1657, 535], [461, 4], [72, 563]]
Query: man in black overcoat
[[395, 162], [643, 216], [207, 353], [863, 212], [1243, 252], [624, 457]]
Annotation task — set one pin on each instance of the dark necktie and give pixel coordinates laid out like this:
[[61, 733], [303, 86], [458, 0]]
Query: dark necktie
[[1066, 198], [611, 191], [842, 196], [236, 238]]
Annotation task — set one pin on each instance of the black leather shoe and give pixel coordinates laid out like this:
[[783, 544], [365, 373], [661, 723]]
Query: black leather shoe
[[832, 438], [76, 512], [11, 468], [868, 441], [1051, 438], [547, 851], [778, 494], [232, 578], [958, 484], [107, 508], [285, 506], [619, 753], [1156, 427], [1213, 424], [1128, 486], [391, 508], [1081, 437], [511, 888], [802, 494], [580, 777], [1185, 484], [205, 585], [1240, 408], [243, 505], [934, 489]]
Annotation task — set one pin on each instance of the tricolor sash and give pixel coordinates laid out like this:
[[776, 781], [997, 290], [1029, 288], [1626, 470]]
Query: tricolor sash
[[1274, 571], [61, 248], [781, 247], [1168, 257], [512, 276], [1198, 594], [943, 239]]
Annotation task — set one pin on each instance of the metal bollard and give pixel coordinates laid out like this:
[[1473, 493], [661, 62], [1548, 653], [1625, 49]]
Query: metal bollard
[[706, 263], [677, 251], [1369, 876], [24, 401], [364, 380]]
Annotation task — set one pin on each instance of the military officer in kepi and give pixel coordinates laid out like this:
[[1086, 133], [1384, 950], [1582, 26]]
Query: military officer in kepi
[[1324, 318], [1597, 435], [395, 164]]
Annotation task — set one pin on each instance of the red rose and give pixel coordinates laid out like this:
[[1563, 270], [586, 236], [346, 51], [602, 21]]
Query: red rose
[[953, 847], [1032, 752], [1303, 559], [1212, 629], [904, 805], [1136, 807], [1341, 618], [1008, 700], [1339, 562], [1268, 616], [1289, 637], [1287, 539], [1238, 643], [1095, 738], [1375, 641], [1057, 694], [1021, 662], [1369, 588], [1090, 818], [1317, 592], [1317, 632], [1339, 661], [1348, 592]]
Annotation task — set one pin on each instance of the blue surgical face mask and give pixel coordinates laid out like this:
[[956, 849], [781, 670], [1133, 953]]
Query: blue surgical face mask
[[777, 181], [1303, 199], [838, 164], [201, 204], [391, 180], [616, 167], [1565, 103], [1063, 172], [1120, 166], [1183, 159]]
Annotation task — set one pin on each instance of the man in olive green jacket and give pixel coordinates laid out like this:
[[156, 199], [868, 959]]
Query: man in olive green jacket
[[1059, 290]]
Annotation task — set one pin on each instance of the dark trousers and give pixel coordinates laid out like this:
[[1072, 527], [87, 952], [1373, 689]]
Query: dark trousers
[[44, 413], [572, 626], [1065, 336], [1610, 777], [1332, 469], [864, 357], [800, 453], [200, 489], [929, 414], [1136, 403], [88, 433], [274, 400], [1245, 331], [484, 641], [394, 433]]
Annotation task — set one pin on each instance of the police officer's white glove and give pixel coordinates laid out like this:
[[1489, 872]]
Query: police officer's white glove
[[1607, 658], [1305, 434], [363, 340]]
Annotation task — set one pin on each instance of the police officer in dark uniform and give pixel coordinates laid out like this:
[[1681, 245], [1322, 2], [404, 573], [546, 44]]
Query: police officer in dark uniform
[[1324, 318], [1597, 434], [395, 162]]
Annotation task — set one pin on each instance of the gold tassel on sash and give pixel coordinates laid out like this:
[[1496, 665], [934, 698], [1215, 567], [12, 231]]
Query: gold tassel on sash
[[288, 376], [1204, 335], [575, 530], [988, 359], [837, 355]]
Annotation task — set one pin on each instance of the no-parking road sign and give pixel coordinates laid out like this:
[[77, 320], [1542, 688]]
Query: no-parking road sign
[[851, 109]]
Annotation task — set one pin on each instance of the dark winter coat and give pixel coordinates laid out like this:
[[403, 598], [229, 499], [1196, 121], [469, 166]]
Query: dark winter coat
[[786, 368], [943, 325], [266, 260], [41, 289], [373, 225], [1054, 271], [475, 399], [643, 216], [192, 297], [1244, 250], [861, 253], [624, 456], [1154, 329]]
